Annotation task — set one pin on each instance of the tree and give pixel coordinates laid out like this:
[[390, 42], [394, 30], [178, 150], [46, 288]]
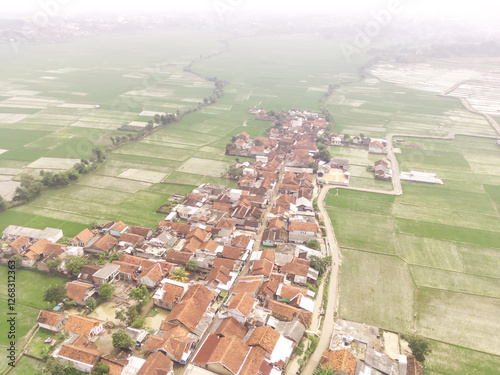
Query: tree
[[91, 304], [258, 142], [313, 244], [54, 264], [179, 274], [75, 264], [3, 204], [122, 340], [192, 265], [140, 293], [54, 294], [323, 155], [419, 346], [313, 166], [320, 264], [121, 315], [18, 260], [101, 369], [234, 173], [320, 370], [157, 118], [106, 291]]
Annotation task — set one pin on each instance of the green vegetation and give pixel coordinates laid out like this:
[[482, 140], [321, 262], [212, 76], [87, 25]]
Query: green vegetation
[[419, 346], [179, 274], [54, 294], [106, 291], [440, 274], [122, 340]]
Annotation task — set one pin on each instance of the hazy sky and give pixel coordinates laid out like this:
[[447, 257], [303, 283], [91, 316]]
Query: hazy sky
[[362, 6]]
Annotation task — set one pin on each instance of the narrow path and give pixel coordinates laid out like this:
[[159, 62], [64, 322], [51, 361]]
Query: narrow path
[[329, 323]]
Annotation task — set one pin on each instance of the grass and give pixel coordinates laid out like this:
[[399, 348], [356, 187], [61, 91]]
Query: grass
[[28, 366], [460, 319], [449, 359], [388, 290], [376, 234]]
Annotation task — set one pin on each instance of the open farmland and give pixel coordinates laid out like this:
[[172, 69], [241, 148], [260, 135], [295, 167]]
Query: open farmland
[[62, 121], [446, 252]]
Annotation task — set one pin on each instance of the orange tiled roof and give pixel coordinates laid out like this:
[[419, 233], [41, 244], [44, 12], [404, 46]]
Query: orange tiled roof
[[156, 364], [80, 354], [265, 336], [339, 360], [84, 236], [19, 243], [81, 325], [242, 302], [231, 327], [50, 318], [77, 291]]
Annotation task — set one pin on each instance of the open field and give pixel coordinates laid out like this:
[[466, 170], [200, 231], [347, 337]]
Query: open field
[[447, 242]]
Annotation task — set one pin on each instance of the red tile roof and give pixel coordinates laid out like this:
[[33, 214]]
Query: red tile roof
[[243, 303], [80, 354], [19, 243], [84, 236], [192, 307], [339, 360], [295, 269], [77, 291], [231, 327], [106, 242], [262, 267], [218, 274], [231, 252], [265, 336], [81, 325], [228, 351], [50, 318], [228, 263], [156, 364]]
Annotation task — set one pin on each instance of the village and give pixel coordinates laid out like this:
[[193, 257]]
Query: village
[[233, 273]]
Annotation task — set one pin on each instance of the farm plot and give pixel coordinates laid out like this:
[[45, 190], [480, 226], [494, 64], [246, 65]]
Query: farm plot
[[381, 282], [142, 175], [204, 167], [364, 231], [463, 319], [53, 163]]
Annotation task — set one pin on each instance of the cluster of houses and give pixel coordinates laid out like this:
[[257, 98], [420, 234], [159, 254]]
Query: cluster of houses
[[244, 312], [351, 353]]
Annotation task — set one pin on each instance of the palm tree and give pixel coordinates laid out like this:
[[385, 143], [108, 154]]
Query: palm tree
[[179, 274]]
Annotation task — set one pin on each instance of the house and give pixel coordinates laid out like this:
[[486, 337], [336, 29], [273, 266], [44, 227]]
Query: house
[[82, 358], [226, 227], [198, 234], [102, 245], [382, 170], [274, 237], [268, 289], [173, 340], [34, 252], [115, 229], [376, 147], [222, 355], [51, 320], [178, 257], [18, 246], [141, 231], [231, 327], [240, 307], [339, 360], [242, 241], [287, 313], [168, 295], [249, 284], [107, 274], [151, 276], [304, 204], [293, 330], [262, 267], [302, 232], [265, 337], [80, 292], [219, 277], [193, 306], [340, 163], [232, 252], [228, 263], [87, 272], [157, 364], [84, 326], [83, 238]]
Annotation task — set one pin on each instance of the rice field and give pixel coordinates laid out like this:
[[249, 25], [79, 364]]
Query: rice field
[[445, 241]]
